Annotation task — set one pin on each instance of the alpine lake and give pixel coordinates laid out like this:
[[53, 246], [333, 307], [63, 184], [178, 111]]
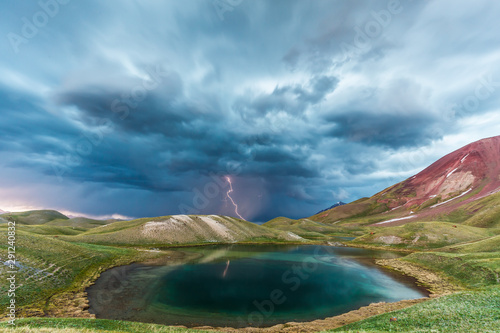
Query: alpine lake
[[248, 285]]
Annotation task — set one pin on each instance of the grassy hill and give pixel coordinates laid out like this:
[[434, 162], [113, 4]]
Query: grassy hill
[[484, 213], [80, 222], [423, 235], [49, 266], [54, 218], [35, 216], [74, 325], [56, 263], [470, 311], [183, 229], [46, 229], [304, 227], [59, 257], [491, 244]]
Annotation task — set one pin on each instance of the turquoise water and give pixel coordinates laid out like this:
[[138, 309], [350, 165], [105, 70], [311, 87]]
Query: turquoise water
[[248, 285]]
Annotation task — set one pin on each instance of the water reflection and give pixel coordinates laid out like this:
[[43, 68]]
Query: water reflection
[[242, 285]]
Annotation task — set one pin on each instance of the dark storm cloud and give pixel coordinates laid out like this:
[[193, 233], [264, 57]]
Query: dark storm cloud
[[137, 108], [390, 130], [291, 99], [173, 141], [26, 127]]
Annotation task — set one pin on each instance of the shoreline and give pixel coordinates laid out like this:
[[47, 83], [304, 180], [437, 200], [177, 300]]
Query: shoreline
[[381, 248], [435, 284], [73, 302]]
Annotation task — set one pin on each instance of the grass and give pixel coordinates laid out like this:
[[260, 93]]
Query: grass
[[69, 325], [47, 229], [58, 259], [48, 266], [471, 270], [167, 231], [491, 244], [34, 216], [80, 223], [307, 228], [55, 263], [423, 235], [469, 311], [485, 213], [467, 255]]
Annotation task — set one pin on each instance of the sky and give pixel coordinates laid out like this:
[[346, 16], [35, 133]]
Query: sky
[[148, 108]]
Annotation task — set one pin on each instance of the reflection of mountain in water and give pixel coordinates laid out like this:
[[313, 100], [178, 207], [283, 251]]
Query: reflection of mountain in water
[[223, 283]]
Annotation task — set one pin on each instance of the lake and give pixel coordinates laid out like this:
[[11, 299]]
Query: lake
[[248, 285]]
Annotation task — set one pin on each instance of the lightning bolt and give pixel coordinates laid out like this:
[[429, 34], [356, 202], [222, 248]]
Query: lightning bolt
[[225, 271], [230, 198]]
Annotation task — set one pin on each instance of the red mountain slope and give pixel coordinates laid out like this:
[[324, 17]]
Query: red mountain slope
[[465, 175]]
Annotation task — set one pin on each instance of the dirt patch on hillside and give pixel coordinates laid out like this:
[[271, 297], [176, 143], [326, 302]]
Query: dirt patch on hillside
[[389, 239]]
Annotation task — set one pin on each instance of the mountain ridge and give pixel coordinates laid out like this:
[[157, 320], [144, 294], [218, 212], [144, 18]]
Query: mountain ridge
[[461, 177], [339, 203]]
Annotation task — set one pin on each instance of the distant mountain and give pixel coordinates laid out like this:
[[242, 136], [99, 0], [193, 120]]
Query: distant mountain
[[54, 218], [340, 203], [35, 216], [467, 177], [2, 212]]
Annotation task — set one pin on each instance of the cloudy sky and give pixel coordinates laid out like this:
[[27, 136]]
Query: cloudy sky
[[143, 108]]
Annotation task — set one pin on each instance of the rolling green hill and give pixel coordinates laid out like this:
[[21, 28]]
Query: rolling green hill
[[469, 311], [491, 244], [77, 325], [423, 235], [35, 216], [58, 257], [311, 229], [56, 262], [54, 218], [80, 222], [183, 229], [49, 266], [484, 213]]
